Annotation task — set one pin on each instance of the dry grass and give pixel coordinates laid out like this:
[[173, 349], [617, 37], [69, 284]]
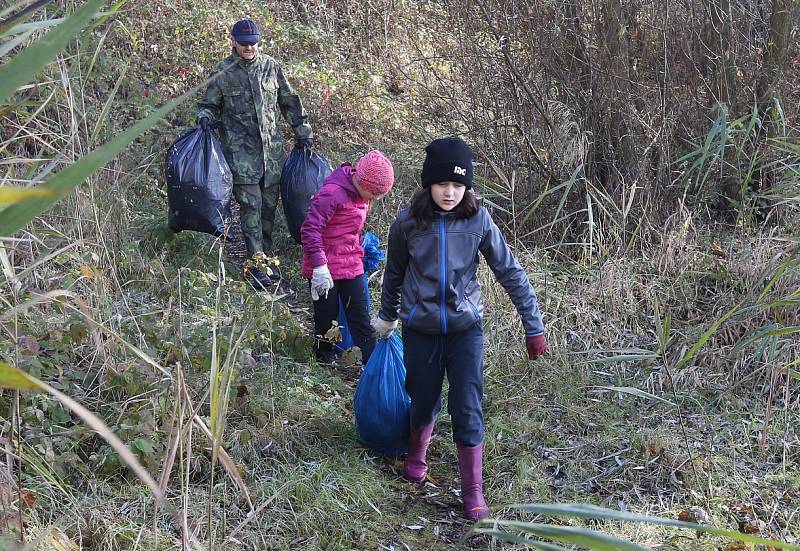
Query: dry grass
[[165, 320], [552, 433]]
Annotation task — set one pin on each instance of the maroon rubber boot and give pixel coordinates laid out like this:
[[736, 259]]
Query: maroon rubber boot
[[415, 468], [470, 465]]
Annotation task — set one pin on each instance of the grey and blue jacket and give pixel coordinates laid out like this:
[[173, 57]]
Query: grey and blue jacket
[[430, 277]]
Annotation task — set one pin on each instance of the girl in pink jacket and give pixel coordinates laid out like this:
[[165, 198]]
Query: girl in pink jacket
[[332, 252]]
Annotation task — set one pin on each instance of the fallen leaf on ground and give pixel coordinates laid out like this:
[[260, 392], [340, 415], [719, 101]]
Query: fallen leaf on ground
[[738, 546], [27, 499], [754, 526], [30, 344]]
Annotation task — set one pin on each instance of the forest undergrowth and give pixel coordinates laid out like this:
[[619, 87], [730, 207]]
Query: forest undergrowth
[[670, 388]]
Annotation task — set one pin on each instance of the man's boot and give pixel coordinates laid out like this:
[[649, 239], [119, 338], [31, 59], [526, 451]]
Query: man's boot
[[470, 465], [415, 468], [258, 279], [274, 272], [258, 273]]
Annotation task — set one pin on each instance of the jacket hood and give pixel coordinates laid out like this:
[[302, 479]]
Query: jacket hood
[[331, 233], [343, 177]]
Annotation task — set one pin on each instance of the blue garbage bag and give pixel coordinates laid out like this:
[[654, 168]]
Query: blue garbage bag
[[382, 406], [346, 338], [303, 174], [199, 183], [373, 256]]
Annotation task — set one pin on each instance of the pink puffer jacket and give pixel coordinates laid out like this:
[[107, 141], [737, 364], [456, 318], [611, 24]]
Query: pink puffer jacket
[[331, 233]]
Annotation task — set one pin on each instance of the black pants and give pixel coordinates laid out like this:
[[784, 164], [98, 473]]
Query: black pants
[[356, 309], [427, 358]]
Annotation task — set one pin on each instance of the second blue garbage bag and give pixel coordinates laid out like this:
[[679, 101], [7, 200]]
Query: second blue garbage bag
[[382, 406], [373, 256]]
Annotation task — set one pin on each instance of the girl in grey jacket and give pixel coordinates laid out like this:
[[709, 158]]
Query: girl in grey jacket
[[430, 284]]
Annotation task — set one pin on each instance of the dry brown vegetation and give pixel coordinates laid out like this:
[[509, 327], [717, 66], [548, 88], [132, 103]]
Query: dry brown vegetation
[[643, 158]]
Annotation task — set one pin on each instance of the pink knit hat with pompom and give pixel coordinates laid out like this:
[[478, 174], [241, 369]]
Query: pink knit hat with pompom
[[375, 173]]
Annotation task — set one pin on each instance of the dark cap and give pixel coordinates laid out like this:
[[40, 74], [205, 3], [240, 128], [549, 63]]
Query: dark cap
[[245, 31], [447, 160]]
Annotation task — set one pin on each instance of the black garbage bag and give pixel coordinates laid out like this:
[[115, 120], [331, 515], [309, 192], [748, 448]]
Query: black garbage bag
[[303, 174], [199, 183]]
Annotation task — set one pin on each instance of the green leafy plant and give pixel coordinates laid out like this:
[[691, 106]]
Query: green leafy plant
[[16, 379]]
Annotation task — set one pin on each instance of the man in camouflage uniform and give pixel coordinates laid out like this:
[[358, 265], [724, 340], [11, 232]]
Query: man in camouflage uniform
[[244, 101]]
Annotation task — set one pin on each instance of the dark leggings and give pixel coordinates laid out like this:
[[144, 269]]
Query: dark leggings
[[356, 308], [460, 355]]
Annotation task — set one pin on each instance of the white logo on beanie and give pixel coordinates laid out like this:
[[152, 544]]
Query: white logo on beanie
[[460, 171]]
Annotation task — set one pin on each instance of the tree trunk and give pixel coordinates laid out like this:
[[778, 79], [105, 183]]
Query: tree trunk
[[721, 45], [577, 54], [623, 131], [774, 60], [775, 55]]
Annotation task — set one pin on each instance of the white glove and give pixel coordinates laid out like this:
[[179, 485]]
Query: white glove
[[321, 282], [383, 328]]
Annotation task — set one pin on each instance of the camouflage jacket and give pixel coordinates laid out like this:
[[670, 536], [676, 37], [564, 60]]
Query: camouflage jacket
[[245, 99]]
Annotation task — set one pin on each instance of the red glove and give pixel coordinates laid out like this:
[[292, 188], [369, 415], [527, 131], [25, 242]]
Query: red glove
[[536, 345]]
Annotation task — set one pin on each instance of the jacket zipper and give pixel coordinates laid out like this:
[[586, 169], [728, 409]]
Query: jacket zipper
[[474, 310], [442, 261]]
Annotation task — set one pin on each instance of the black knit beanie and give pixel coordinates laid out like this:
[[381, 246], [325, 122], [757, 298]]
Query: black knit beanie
[[447, 160]]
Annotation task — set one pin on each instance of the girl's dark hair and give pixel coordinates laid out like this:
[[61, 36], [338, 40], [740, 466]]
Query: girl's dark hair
[[423, 209]]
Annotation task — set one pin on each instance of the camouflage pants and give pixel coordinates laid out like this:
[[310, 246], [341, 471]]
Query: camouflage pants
[[257, 204]]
